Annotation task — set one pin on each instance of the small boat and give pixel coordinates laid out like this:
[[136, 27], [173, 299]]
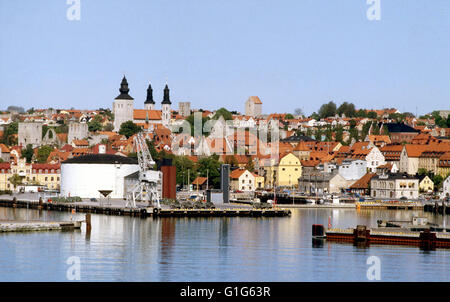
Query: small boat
[[416, 224]]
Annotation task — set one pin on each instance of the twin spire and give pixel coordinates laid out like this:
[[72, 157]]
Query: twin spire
[[124, 90]]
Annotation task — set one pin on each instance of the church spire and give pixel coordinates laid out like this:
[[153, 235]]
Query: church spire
[[149, 99], [166, 99], [124, 90]]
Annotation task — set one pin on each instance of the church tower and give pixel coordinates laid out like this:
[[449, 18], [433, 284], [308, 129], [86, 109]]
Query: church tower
[[149, 104], [166, 107], [123, 105]]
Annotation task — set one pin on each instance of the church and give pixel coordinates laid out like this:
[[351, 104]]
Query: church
[[123, 108]]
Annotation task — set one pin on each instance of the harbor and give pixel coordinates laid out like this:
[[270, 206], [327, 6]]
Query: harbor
[[117, 207]]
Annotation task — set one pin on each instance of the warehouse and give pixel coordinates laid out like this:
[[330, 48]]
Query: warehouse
[[85, 176]]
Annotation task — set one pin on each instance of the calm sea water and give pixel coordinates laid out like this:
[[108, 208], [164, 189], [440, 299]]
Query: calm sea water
[[211, 249]]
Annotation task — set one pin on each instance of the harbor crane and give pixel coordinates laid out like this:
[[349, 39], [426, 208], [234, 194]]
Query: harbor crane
[[147, 187]]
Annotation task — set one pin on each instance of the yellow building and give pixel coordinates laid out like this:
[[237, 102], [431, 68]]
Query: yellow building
[[426, 184], [284, 173], [47, 175]]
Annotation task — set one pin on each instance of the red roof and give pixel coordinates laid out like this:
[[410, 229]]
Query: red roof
[[199, 180]]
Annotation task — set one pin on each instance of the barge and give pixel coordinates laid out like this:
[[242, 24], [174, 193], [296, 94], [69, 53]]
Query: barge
[[361, 235]]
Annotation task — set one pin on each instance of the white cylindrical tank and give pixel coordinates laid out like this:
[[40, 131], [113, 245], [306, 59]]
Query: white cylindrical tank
[[84, 176]]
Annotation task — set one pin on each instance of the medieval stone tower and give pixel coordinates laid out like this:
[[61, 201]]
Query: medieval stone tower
[[30, 133], [123, 106], [77, 131]]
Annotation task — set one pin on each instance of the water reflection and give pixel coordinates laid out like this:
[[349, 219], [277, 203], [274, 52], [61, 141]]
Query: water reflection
[[212, 249]]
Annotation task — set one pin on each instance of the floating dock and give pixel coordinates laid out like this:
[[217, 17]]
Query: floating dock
[[32, 226], [392, 236]]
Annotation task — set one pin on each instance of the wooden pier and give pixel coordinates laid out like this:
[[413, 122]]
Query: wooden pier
[[148, 211], [229, 212], [386, 205]]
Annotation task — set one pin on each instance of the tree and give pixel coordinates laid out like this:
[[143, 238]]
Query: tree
[[315, 116], [318, 134], [366, 128], [289, 116], [298, 111], [190, 120], [437, 180], [223, 112], [328, 134], [43, 153], [231, 160], [372, 115], [361, 113], [339, 133], [250, 165], [108, 127], [152, 149], [183, 164], [375, 129], [63, 128], [16, 109], [28, 153], [95, 124], [129, 128], [210, 166], [8, 135], [15, 180], [327, 110], [347, 108]]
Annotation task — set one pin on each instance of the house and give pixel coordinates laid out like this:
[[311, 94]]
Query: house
[[319, 183], [244, 180], [409, 158], [5, 153], [396, 185], [400, 132], [425, 184], [362, 185], [200, 183], [392, 153], [379, 140], [80, 143]]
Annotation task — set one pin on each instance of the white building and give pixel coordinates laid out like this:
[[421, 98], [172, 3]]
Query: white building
[[374, 159], [446, 187], [394, 186], [353, 169], [85, 176]]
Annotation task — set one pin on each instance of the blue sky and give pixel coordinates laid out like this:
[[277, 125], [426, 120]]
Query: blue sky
[[217, 53]]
